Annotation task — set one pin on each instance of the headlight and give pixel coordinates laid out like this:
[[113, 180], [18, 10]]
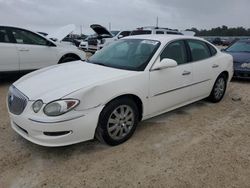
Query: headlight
[[57, 108], [37, 105], [245, 65]]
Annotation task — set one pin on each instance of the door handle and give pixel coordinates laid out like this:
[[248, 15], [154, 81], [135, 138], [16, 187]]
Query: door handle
[[215, 66], [24, 50], [185, 73]]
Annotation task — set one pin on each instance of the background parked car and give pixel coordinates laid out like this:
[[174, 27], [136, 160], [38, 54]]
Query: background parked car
[[217, 41], [128, 81], [22, 50], [240, 50], [155, 30]]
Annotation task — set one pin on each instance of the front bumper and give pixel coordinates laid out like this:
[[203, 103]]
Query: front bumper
[[57, 133]]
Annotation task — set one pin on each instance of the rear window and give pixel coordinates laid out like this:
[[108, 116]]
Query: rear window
[[141, 32]]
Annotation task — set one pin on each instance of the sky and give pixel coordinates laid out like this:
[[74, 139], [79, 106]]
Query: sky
[[48, 15]]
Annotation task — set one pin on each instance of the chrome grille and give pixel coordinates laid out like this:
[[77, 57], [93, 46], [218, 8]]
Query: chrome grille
[[16, 101]]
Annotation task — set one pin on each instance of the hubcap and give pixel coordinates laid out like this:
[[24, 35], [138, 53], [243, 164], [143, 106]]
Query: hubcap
[[219, 88], [120, 122]]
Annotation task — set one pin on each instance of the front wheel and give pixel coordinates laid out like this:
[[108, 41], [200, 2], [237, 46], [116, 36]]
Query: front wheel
[[219, 89], [117, 121]]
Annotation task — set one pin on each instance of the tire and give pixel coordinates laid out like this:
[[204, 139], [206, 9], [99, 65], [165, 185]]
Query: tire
[[115, 125], [219, 89], [68, 59]]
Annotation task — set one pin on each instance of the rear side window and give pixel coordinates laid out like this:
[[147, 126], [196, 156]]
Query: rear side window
[[176, 51], [212, 50], [4, 36], [199, 50]]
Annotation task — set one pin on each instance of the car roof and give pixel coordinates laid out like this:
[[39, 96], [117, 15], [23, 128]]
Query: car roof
[[163, 37]]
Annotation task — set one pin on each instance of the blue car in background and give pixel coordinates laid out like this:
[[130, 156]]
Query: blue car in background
[[240, 50]]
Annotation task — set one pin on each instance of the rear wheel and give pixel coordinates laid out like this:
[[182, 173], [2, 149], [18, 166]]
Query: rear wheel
[[117, 121], [219, 89]]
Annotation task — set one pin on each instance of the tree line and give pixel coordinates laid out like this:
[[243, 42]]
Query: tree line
[[222, 31]]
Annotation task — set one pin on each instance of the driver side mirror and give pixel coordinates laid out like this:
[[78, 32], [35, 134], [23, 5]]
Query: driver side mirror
[[165, 63]]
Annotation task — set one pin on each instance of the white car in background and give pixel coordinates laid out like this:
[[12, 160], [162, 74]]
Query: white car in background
[[105, 37], [152, 30], [24, 50], [130, 80]]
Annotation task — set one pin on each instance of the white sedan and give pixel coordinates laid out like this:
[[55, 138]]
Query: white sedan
[[24, 50], [131, 80]]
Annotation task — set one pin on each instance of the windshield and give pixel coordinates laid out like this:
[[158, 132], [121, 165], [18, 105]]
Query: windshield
[[114, 33], [128, 54], [240, 46], [140, 32]]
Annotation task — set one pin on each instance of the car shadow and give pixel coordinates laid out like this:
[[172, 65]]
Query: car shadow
[[241, 80], [9, 78]]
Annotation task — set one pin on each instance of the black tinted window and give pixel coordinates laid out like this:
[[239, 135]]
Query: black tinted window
[[125, 33], [159, 32], [176, 51], [173, 33], [3, 36], [26, 37], [140, 32], [199, 50]]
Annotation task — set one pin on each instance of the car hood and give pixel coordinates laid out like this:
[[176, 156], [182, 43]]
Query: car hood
[[240, 57], [62, 32], [100, 30], [58, 81]]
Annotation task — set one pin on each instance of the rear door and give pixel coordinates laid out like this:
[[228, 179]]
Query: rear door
[[34, 51], [9, 60], [202, 65]]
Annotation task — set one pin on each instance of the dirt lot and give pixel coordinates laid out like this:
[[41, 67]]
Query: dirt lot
[[201, 145]]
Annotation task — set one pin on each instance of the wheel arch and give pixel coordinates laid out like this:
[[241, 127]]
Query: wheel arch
[[135, 98], [224, 73], [73, 55]]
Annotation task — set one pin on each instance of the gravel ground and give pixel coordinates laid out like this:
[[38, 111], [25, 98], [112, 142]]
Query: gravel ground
[[201, 145]]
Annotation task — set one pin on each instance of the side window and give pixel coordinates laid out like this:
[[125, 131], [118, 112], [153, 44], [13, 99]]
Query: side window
[[159, 32], [212, 50], [125, 33], [199, 50], [4, 36], [26, 37], [173, 33], [176, 51]]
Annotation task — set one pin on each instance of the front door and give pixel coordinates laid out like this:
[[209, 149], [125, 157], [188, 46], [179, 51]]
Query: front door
[[171, 87]]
